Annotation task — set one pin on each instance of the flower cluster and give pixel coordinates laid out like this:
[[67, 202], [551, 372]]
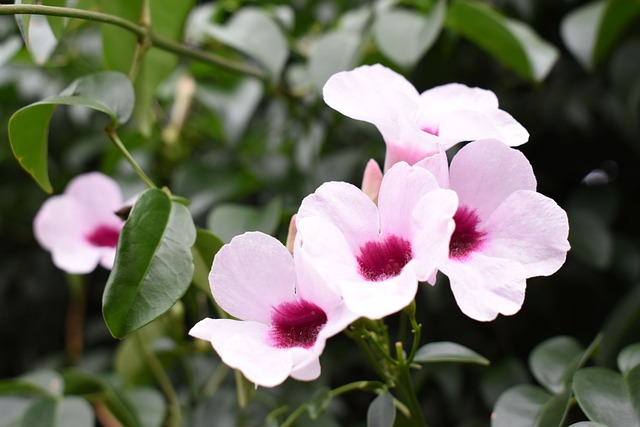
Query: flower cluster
[[363, 252]]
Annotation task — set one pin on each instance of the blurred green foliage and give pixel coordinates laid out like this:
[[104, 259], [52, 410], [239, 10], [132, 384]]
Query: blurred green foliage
[[245, 151]]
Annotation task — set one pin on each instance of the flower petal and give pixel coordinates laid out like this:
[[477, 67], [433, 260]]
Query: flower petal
[[433, 224], [372, 93], [485, 286], [243, 345], [402, 187], [485, 172], [99, 196], [529, 228], [346, 206], [438, 165], [376, 300], [252, 274], [308, 371], [466, 125]]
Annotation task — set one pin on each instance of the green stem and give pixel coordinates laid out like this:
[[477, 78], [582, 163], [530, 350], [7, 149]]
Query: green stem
[[113, 135], [74, 327], [174, 416], [140, 31], [406, 390], [415, 328]]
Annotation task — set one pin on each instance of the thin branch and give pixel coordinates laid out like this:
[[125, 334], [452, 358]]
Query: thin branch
[[140, 31]]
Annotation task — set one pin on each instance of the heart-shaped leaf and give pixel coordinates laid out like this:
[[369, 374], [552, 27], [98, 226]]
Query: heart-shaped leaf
[[519, 406], [108, 92], [68, 412], [153, 266], [382, 411]]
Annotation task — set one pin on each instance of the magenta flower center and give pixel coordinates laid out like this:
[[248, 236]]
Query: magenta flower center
[[466, 237], [104, 236], [383, 260], [296, 324]]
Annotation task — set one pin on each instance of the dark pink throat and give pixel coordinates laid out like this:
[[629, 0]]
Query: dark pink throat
[[433, 130], [466, 237], [104, 236], [383, 260], [296, 324]]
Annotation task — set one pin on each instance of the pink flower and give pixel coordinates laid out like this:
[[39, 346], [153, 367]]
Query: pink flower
[[80, 227], [505, 231], [414, 125], [285, 315], [375, 255]]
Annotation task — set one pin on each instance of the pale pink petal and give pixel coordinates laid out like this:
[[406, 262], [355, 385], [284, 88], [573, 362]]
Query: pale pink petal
[[252, 274], [529, 228], [484, 286], [466, 125], [75, 256], [402, 187], [99, 195], [347, 207], [433, 224], [60, 219], [455, 97], [243, 345], [308, 371], [376, 300], [438, 165], [485, 172], [408, 143], [340, 317], [371, 180], [372, 93], [107, 257]]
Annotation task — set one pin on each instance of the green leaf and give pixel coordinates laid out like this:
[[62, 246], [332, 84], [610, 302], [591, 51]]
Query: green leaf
[[319, 403], [253, 32], [632, 381], [512, 42], [8, 48], [12, 410], [404, 36], [153, 266], [553, 360], [382, 411], [590, 239], [68, 412], [205, 249], [108, 92], [47, 380], [448, 352], [229, 220], [629, 358], [148, 404], [554, 410], [587, 424], [334, 52], [591, 30], [602, 396], [519, 406]]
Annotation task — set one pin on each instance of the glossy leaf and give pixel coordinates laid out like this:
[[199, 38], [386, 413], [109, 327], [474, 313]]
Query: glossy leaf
[[47, 380], [108, 92], [253, 32], [68, 412], [8, 48], [333, 52], [587, 424], [512, 42], [448, 352], [629, 358], [591, 30], [382, 411], [404, 36], [552, 361], [230, 220], [632, 381], [12, 410], [602, 396], [148, 404], [153, 266], [519, 406], [206, 247], [554, 410]]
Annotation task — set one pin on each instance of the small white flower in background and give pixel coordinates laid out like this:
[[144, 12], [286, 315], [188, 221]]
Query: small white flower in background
[[79, 227]]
